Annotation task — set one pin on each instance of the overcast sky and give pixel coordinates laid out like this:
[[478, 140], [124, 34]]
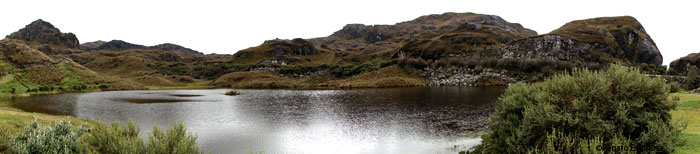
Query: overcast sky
[[228, 26]]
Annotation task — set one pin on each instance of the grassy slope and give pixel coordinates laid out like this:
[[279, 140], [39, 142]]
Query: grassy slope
[[391, 76], [192, 85], [13, 120], [689, 109]]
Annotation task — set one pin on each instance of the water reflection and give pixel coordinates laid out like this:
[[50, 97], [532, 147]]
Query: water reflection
[[398, 120]]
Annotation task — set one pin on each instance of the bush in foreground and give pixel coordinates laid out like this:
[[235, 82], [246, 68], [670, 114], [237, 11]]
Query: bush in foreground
[[58, 139], [584, 112], [115, 138]]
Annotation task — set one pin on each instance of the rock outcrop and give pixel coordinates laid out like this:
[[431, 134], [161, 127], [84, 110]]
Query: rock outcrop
[[680, 66], [553, 47], [43, 32], [279, 51], [622, 37]]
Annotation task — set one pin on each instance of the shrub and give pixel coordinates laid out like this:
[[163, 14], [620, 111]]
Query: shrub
[[444, 62], [115, 139], [388, 63], [529, 65], [413, 63], [692, 80], [570, 112], [347, 70], [674, 87], [4, 141], [457, 62], [58, 139], [174, 140]]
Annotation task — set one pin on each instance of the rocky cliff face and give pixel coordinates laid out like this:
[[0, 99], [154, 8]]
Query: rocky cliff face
[[43, 32], [551, 47], [622, 37]]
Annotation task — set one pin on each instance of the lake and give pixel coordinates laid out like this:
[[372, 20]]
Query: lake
[[393, 120]]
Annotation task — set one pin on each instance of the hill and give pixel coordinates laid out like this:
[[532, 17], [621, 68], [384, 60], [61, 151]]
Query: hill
[[27, 70], [438, 45], [439, 49], [622, 37]]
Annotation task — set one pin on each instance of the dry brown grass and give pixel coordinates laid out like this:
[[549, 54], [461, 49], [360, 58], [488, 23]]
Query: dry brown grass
[[44, 75], [391, 76], [20, 54], [122, 66], [156, 80], [257, 79]]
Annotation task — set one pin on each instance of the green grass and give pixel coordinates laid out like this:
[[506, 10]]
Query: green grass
[[13, 120], [12, 80], [70, 78], [691, 145], [688, 110], [19, 83]]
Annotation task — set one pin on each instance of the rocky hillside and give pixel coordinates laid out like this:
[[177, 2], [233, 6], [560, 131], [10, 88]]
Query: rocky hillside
[[440, 49], [622, 37], [39, 58], [429, 37], [680, 66], [469, 35], [42, 32], [28, 70], [468, 40]]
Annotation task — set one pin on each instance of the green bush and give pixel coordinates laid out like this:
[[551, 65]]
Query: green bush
[[674, 87], [115, 139], [347, 70], [174, 140], [51, 140], [568, 113], [4, 141], [529, 65], [692, 80], [388, 63]]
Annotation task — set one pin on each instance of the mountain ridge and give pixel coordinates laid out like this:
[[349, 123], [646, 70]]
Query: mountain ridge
[[437, 49]]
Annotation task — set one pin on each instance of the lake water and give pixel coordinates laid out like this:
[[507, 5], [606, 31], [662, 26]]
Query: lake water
[[395, 120]]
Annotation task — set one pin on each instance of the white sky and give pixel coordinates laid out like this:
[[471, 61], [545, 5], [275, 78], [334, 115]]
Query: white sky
[[228, 26]]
